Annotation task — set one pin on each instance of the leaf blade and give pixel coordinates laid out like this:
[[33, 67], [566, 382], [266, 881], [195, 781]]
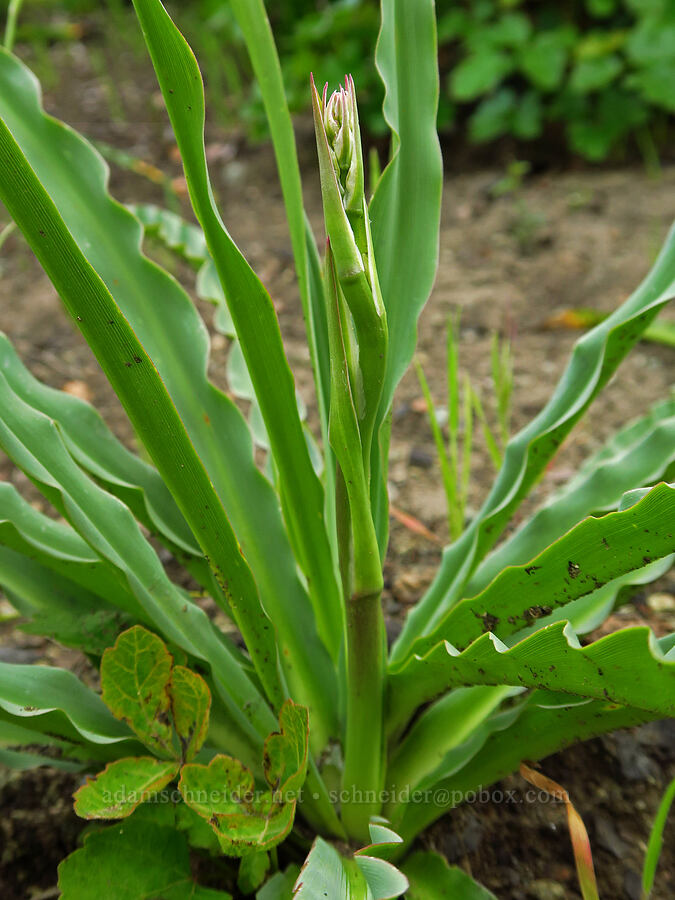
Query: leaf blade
[[254, 319]]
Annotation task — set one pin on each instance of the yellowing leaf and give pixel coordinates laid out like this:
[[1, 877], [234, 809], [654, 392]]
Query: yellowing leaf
[[224, 793], [285, 753], [122, 786], [135, 676], [190, 705], [243, 819]]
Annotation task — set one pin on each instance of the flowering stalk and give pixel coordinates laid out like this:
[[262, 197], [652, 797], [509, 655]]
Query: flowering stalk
[[362, 583], [347, 224], [357, 335]]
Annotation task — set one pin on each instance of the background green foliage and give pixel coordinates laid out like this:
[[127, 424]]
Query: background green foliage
[[601, 69], [596, 74]]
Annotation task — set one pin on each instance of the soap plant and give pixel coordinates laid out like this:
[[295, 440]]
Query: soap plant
[[315, 729]]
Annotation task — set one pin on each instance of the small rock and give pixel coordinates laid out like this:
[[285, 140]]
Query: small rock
[[78, 389], [18, 656], [606, 836], [632, 885], [465, 839], [661, 602], [543, 889], [420, 458], [635, 764]]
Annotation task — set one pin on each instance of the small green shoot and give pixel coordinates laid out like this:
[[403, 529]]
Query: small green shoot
[[656, 841], [502, 380], [10, 27], [464, 403]]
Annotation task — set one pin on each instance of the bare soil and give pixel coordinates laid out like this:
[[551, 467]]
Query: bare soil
[[575, 238]]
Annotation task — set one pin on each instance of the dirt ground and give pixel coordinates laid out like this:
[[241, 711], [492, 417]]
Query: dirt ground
[[574, 238]]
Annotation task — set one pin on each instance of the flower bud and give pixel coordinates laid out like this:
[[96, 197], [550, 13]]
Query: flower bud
[[339, 117], [344, 144], [346, 216]]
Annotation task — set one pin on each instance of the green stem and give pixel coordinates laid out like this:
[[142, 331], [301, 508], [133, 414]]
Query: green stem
[[361, 573], [362, 778], [10, 28]]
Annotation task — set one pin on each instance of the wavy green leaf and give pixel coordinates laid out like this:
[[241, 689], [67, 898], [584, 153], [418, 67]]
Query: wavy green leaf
[[252, 19], [134, 481], [72, 612], [36, 691], [122, 786], [108, 526], [590, 611], [447, 735], [639, 453], [83, 578], [406, 207], [177, 342], [172, 230], [626, 667], [254, 319], [594, 553], [47, 748], [137, 382], [97, 450], [182, 237], [594, 359], [33, 588]]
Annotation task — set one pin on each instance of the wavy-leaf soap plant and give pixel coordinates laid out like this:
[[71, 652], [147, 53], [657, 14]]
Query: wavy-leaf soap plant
[[315, 725]]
